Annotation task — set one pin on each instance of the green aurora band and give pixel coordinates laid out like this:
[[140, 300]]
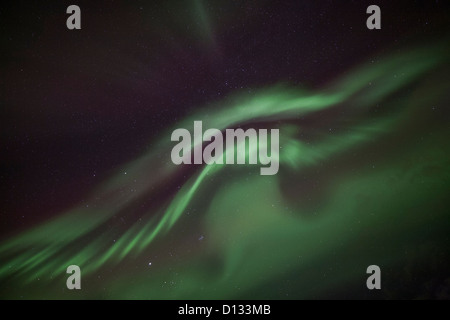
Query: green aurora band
[[359, 184]]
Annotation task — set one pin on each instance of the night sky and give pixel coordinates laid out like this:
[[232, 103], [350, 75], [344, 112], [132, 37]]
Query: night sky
[[87, 179]]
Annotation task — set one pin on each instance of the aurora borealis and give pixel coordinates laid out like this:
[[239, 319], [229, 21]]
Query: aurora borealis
[[364, 156]]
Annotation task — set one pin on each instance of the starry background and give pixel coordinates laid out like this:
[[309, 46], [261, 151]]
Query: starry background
[[86, 175]]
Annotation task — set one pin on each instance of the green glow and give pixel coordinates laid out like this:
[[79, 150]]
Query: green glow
[[254, 231]]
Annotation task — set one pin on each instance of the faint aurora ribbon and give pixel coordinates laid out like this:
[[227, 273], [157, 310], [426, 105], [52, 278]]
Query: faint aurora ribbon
[[84, 235]]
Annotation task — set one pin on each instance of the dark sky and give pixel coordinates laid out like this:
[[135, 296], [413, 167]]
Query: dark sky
[[75, 105]]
